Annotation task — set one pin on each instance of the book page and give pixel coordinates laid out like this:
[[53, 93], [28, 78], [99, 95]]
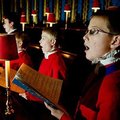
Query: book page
[[46, 86]]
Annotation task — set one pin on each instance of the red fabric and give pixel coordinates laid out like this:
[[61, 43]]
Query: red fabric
[[54, 67], [109, 98], [65, 117], [23, 58], [108, 102], [88, 113], [51, 17], [2, 63], [8, 48]]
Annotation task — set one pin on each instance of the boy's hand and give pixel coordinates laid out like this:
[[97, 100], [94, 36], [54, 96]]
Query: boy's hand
[[55, 112]]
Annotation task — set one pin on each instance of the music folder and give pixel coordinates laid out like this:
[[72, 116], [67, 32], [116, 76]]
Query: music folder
[[44, 87]]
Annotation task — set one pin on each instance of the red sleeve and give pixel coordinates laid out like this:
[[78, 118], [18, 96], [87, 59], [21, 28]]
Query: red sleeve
[[59, 69], [109, 98], [59, 72], [14, 64], [65, 117], [33, 98], [53, 67], [25, 58]]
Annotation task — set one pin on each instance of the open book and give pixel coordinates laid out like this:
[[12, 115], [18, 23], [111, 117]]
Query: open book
[[44, 87]]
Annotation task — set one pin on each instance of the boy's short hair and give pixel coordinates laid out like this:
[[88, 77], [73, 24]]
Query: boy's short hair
[[56, 32], [13, 17], [51, 31], [24, 38], [112, 14]]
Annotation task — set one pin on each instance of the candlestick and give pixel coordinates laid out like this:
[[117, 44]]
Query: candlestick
[[23, 20], [34, 15], [7, 73], [8, 52], [23, 26], [67, 11], [9, 109]]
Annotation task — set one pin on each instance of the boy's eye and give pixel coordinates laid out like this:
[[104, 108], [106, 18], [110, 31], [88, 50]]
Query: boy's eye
[[43, 38], [92, 31]]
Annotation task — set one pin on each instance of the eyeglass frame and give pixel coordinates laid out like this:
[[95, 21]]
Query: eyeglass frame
[[97, 30]]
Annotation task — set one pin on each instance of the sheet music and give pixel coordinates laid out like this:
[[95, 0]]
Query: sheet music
[[49, 87]]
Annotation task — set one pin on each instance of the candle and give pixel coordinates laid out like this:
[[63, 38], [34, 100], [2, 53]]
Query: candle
[[34, 14], [67, 11], [23, 20], [7, 73]]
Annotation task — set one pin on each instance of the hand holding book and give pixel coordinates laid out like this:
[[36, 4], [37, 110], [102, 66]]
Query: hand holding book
[[44, 87]]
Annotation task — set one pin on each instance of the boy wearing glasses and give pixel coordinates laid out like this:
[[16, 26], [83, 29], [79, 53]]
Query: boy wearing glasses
[[100, 98]]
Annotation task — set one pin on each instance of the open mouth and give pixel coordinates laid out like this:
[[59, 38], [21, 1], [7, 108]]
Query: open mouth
[[86, 47]]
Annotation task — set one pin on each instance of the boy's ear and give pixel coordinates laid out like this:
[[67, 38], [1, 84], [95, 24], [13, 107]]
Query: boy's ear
[[115, 42], [20, 43], [53, 41]]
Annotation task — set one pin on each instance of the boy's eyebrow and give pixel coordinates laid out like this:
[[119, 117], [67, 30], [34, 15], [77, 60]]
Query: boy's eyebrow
[[43, 36]]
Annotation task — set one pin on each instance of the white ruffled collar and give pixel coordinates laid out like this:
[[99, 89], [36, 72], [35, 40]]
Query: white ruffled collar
[[108, 58], [11, 31]]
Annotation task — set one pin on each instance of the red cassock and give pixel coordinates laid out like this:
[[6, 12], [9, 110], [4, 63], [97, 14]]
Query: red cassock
[[54, 67], [23, 58], [101, 97]]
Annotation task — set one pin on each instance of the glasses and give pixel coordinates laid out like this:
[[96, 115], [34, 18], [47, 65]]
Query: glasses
[[95, 31]]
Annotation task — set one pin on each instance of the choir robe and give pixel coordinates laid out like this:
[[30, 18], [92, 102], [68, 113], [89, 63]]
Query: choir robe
[[101, 96], [54, 67], [23, 57]]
